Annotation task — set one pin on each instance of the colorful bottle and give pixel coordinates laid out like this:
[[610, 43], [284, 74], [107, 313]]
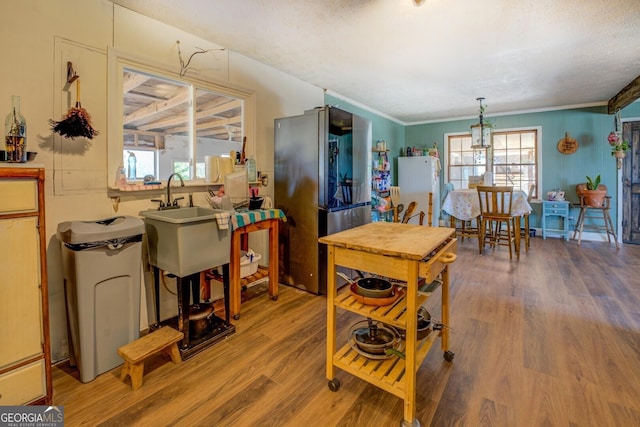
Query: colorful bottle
[[15, 133]]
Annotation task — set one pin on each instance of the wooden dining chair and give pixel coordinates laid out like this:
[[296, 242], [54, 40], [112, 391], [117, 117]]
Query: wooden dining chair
[[495, 207]]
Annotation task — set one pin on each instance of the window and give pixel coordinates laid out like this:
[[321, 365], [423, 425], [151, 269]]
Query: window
[[464, 161], [139, 163], [171, 123], [513, 159]]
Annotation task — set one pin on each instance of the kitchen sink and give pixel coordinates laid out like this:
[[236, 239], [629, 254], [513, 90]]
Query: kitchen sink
[[181, 215], [186, 241]]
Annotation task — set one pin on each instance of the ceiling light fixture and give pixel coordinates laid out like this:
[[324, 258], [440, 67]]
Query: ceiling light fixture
[[481, 132], [418, 2]]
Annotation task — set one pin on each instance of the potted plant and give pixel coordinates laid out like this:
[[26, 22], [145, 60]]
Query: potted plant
[[592, 193], [618, 146]]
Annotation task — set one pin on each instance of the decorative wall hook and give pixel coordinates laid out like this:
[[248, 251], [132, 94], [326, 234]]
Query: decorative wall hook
[[184, 66], [71, 73], [71, 76]]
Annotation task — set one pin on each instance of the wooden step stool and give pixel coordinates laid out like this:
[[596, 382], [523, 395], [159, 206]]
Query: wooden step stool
[[164, 340]]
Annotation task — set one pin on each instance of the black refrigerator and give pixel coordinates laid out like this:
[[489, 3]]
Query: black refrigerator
[[323, 185]]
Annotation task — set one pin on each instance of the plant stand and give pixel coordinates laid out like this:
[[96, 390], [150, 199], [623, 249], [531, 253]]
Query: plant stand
[[597, 213]]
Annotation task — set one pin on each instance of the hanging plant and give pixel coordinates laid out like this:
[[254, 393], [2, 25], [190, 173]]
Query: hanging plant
[[617, 144]]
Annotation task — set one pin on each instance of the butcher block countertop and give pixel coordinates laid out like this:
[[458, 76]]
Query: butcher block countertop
[[408, 241]]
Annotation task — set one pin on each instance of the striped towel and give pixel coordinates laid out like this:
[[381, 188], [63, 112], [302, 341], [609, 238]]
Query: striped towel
[[241, 219]]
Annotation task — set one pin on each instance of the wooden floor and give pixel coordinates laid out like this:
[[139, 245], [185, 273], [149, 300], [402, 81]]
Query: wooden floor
[[550, 340]]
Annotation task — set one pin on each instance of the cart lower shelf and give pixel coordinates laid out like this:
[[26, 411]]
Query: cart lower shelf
[[260, 276], [392, 314], [387, 374]]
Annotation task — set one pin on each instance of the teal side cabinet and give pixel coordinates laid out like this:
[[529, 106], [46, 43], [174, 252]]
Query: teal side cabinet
[[555, 209]]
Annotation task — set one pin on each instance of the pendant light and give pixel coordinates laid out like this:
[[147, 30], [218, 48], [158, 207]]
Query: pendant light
[[418, 2], [481, 132]]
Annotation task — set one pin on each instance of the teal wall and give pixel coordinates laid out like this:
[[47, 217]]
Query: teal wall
[[589, 126]]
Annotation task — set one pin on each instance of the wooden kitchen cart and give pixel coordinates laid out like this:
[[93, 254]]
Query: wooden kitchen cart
[[405, 252]]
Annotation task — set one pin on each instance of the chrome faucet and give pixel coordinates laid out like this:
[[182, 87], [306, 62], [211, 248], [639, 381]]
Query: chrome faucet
[[173, 203]]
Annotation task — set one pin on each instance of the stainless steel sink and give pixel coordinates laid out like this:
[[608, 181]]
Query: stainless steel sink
[[185, 241]]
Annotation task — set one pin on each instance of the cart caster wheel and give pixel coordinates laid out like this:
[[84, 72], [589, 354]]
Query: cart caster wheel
[[274, 298], [236, 316], [334, 384], [448, 355]]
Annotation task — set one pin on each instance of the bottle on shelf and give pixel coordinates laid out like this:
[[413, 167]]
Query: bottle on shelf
[[121, 176], [15, 133], [131, 170]]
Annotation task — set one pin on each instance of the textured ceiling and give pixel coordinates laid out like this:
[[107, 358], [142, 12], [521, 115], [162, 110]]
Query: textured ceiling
[[429, 63]]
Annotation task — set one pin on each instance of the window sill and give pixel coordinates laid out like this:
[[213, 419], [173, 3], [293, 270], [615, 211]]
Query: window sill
[[133, 189], [158, 189]]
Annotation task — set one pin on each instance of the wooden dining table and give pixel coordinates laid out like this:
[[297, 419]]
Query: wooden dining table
[[464, 205]]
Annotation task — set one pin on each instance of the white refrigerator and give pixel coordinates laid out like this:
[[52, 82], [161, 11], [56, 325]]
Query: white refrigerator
[[417, 176]]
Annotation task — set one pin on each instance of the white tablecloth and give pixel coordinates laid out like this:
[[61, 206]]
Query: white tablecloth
[[464, 204]]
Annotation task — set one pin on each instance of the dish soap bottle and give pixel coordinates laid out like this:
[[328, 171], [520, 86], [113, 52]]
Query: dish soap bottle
[[16, 133]]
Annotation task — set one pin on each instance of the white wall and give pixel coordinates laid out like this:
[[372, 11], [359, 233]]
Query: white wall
[[34, 67]]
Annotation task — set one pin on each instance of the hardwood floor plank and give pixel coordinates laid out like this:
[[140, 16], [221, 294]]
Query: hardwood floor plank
[[545, 403], [624, 416], [552, 339], [493, 414], [235, 406]]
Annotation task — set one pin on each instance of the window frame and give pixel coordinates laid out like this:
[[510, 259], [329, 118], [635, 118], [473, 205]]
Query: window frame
[[538, 149], [118, 61]]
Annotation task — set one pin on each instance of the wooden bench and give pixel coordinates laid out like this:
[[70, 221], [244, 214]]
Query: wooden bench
[[164, 340]]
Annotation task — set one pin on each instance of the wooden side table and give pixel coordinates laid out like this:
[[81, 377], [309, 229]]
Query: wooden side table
[[235, 286], [559, 209]]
